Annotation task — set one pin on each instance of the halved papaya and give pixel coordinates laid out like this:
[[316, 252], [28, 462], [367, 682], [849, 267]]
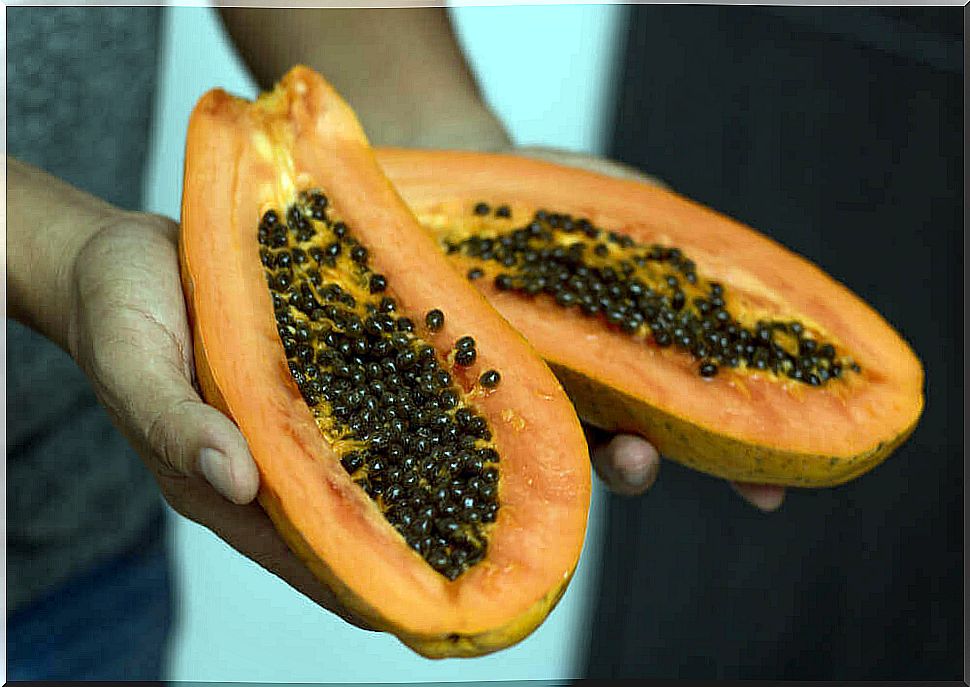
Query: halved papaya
[[413, 449], [667, 319]]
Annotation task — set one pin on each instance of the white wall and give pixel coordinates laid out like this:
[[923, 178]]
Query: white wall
[[545, 70]]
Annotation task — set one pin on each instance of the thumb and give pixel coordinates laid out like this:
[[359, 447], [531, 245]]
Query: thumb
[[130, 335], [188, 437]]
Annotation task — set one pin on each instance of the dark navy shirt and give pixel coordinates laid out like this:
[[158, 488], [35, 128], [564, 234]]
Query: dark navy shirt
[[838, 132]]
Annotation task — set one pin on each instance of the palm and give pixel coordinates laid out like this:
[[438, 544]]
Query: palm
[[130, 333]]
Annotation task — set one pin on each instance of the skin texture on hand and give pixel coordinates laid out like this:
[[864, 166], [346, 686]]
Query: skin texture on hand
[[104, 285], [129, 333]]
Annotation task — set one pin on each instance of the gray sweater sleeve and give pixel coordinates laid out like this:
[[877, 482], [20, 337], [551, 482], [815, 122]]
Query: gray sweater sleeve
[[80, 85]]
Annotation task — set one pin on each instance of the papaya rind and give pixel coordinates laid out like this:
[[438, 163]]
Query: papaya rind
[[709, 451], [433, 646], [861, 423]]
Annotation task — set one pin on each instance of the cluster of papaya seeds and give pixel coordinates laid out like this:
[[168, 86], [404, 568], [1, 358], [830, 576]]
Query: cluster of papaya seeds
[[414, 451], [664, 318]]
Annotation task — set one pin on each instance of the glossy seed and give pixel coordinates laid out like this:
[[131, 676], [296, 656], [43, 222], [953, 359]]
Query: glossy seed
[[378, 283], [465, 357], [708, 369], [361, 367], [503, 282], [490, 379], [435, 320]]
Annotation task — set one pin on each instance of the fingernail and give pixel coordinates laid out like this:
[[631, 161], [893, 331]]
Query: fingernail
[[215, 467], [764, 497]]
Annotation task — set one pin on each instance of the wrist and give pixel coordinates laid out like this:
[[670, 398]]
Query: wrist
[[48, 224], [438, 125], [475, 129]]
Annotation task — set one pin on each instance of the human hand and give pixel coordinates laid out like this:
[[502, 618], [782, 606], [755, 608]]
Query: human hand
[[627, 463], [128, 330]]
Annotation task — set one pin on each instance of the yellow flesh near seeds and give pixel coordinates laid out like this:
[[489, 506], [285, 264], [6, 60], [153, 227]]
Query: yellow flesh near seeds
[[274, 145], [745, 308], [355, 279]]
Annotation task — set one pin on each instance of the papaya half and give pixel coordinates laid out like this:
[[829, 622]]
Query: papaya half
[[667, 319], [413, 449]]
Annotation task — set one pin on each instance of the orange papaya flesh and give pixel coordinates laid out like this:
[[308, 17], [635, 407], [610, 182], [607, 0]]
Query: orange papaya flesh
[[664, 318], [430, 470]]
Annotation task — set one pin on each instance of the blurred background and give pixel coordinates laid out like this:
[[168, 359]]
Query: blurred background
[[238, 622], [838, 131]]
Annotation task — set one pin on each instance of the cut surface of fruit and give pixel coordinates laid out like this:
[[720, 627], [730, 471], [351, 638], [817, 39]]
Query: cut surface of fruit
[[413, 449], [667, 319]]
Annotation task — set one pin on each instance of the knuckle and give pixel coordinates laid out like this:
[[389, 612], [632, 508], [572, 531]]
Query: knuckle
[[164, 437]]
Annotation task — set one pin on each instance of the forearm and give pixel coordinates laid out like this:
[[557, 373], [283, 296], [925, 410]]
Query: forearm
[[400, 69], [48, 222]]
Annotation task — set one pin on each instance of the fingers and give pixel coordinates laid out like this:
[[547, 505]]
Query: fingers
[[189, 437], [131, 336], [765, 497], [178, 435], [132, 339], [627, 464]]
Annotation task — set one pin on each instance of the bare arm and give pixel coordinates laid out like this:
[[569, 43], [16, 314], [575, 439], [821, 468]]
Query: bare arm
[[48, 221], [401, 70]]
